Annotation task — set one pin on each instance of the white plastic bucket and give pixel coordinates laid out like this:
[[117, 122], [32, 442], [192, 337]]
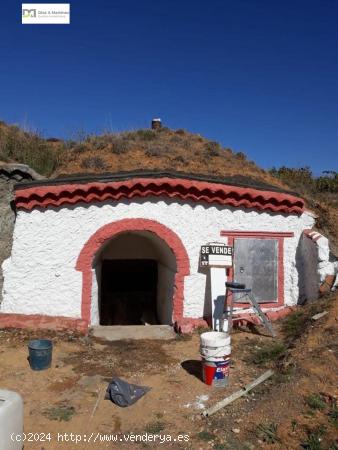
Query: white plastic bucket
[[216, 352], [215, 344], [222, 355], [11, 420]]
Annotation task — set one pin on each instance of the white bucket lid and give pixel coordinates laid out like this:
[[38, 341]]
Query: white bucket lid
[[215, 339], [218, 351]]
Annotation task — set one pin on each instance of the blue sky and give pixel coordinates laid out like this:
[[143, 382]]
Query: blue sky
[[259, 76]]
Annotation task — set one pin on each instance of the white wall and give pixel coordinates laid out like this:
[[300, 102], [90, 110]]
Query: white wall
[[165, 293], [40, 276]]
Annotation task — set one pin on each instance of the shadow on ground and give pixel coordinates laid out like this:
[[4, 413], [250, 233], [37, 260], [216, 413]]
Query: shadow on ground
[[193, 367]]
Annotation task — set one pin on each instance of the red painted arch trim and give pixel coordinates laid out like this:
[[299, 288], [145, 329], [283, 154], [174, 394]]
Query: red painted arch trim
[[95, 242], [198, 191]]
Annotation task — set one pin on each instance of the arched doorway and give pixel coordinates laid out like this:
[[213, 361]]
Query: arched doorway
[[133, 249]]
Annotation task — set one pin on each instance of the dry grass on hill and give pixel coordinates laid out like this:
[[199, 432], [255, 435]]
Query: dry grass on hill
[[164, 149]]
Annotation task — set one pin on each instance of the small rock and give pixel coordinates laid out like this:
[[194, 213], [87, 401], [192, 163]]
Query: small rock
[[236, 430], [85, 340]]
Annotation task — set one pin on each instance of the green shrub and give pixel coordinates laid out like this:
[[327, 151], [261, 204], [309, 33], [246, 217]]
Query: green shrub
[[154, 151], [267, 433], [94, 162], [59, 413], [30, 149], [303, 179], [120, 146], [241, 156], [314, 401], [155, 427], [269, 352], [205, 436], [79, 148], [212, 148], [333, 415], [180, 159], [146, 135], [327, 182], [295, 324], [163, 130], [313, 441]]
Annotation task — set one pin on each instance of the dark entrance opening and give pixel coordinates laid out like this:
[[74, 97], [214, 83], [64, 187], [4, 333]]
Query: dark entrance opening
[[128, 292]]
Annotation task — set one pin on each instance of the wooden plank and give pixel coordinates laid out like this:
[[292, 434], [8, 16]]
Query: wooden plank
[[319, 315], [238, 394]]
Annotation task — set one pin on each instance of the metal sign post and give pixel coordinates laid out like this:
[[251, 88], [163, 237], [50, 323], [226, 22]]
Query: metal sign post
[[217, 256]]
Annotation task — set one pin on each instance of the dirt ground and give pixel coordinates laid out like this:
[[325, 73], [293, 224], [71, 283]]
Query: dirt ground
[[294, 409]]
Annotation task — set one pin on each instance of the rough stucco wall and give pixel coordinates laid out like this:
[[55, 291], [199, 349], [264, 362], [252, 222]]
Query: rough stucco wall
[[165, 291], [40, 276], [10, 174], [7, 218]]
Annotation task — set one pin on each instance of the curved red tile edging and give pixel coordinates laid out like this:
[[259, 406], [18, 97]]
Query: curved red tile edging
[[95, 242], [198, 191]]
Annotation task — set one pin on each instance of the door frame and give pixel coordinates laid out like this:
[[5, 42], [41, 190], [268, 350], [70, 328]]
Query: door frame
[[279, 236]]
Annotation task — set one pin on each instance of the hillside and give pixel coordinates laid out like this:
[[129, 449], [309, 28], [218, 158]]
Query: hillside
[[166, 149], [176, 150]]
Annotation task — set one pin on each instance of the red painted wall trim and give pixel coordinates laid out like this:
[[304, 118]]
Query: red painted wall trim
[[279, 236], [38, 321], [198, 191], [262, 234], [187, 325], [312, 234], [245, 319], [95, 242]]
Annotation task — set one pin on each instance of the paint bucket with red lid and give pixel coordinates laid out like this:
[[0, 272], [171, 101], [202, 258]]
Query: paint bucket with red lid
[[215, 352], [216, 373]]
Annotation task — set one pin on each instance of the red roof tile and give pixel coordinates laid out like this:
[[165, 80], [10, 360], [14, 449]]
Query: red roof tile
[[186, 189]]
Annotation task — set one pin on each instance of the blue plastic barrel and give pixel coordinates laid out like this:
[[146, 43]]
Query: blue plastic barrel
[[40, 354]]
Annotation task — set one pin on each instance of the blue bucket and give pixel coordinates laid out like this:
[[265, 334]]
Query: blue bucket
[[40, 354]]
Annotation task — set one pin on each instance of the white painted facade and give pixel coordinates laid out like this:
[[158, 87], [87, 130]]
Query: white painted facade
[[40, 276]]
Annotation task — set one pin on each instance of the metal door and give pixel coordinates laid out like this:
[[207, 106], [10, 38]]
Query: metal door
[[256, 264]]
